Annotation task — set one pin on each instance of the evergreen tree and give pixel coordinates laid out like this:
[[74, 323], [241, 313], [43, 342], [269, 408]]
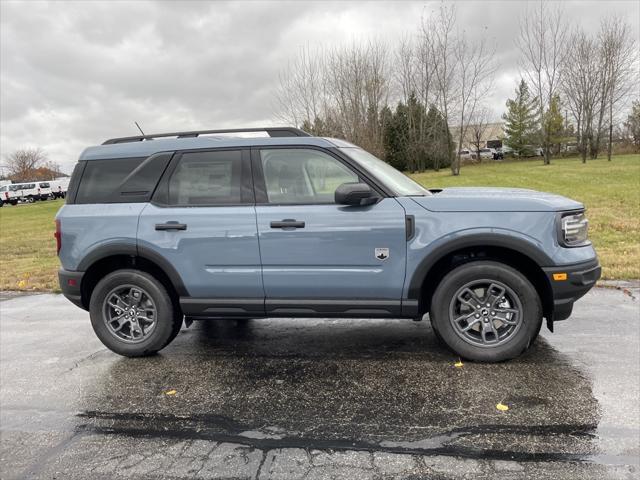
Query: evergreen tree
[[521, 121], [555, 125]]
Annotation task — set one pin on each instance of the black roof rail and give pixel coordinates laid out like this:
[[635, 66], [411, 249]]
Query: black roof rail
[[273, 132]]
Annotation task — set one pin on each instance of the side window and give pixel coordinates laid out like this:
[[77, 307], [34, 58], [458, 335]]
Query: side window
[[207, 178], [101, 178], [302, 175]]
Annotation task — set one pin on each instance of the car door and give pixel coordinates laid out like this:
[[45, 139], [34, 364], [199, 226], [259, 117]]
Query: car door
[[202, 222], [319, 257]]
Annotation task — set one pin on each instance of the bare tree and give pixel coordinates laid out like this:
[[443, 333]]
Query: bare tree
[[619, 56], [478, 129], [475, 72], [542, 42], [582, 86], [462, 72], [439, 37], [302, 92], [23, 164]]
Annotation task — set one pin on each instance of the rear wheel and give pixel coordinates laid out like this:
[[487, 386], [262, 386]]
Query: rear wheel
[[486, 311], [30, 199], [132, 313]]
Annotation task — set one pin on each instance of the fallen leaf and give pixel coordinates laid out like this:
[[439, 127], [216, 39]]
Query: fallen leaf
[[503, 408], [22, 283], [170, 392], [458, 364]]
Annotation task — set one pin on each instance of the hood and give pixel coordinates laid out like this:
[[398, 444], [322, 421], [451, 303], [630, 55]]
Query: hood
[[492, 199]]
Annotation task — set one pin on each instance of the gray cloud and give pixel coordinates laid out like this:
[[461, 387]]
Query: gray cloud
[[75, 73]]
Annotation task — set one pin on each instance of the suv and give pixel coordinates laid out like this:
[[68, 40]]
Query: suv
[[159, 231]]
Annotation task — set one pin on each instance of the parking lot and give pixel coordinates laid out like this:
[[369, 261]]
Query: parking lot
[[318, 399]]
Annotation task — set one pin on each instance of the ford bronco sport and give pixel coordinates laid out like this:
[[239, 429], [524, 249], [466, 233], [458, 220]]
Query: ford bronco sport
[[167, 228]]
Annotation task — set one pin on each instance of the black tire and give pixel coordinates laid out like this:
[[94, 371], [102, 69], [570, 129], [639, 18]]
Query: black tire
[[14, 202], [469, 345], [30, 199], [168, 320]]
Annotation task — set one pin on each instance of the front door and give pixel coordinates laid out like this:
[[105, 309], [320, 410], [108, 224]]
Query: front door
[[203, 222], [319, 257]]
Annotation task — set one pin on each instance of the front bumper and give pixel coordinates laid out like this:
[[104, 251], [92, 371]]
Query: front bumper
[[578, 279], [70, 284]]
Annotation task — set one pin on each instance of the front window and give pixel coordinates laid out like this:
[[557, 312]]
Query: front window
[[302, 176], [397, 181]]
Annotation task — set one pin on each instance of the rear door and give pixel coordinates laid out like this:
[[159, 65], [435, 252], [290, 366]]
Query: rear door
[[319, 257], [202, 221]]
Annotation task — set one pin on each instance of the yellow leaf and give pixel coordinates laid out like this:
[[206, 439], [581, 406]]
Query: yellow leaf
[[22, 283], [503, 408], [458, 364], [170, 392]]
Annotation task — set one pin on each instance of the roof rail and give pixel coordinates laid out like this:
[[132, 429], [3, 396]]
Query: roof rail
[[273, 132]]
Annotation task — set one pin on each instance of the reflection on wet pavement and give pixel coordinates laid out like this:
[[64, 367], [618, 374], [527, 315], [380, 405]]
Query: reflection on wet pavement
[[266, 390]]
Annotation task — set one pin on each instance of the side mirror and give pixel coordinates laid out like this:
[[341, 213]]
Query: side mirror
[[354, 194]]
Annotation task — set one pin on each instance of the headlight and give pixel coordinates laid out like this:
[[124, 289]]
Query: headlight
[[574, 229]]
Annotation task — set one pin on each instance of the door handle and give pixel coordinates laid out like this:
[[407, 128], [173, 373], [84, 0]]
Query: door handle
[[171, 226], [287, 223]]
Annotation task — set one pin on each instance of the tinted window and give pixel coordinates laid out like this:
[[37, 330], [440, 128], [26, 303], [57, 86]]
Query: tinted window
[[207, 178], [45, 185], [101, 178], [302, 176]]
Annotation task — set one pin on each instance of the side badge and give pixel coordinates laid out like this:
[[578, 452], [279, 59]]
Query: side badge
[[381, 253]]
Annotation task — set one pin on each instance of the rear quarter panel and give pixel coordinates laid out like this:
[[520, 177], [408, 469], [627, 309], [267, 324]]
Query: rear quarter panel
[[88, 227]]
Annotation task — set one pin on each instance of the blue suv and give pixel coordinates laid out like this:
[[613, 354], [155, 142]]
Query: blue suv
[[160, 230]]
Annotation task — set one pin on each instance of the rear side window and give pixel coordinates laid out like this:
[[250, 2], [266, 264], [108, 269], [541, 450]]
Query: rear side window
[[45, 185], [207, 178], [101, 178]]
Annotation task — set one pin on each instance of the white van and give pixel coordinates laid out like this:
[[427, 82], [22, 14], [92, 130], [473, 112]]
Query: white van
[[7, 195], [59, 187], [31, 191]]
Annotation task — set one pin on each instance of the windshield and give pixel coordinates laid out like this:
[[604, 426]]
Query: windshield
[[401, 185]]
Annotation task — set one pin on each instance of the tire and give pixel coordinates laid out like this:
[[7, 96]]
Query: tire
[[153, 299], [30, 199], [506, 323], [14, 202]]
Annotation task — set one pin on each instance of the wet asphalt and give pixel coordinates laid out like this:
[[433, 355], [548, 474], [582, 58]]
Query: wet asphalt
[[352, 399]]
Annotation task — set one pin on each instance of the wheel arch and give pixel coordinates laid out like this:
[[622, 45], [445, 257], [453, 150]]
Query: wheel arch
[[114, 257], [513, 251]]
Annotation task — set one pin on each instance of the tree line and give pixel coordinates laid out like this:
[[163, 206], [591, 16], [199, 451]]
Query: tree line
[[416, 102]]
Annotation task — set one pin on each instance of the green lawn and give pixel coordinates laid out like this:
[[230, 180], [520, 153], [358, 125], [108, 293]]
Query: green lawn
[[28, 258], [610, 190]]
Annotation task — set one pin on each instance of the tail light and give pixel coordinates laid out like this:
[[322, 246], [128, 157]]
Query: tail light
[[6, 195], [58, 236]]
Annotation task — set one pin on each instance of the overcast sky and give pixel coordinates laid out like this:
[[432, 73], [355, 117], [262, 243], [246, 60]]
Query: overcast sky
[[76, 73]]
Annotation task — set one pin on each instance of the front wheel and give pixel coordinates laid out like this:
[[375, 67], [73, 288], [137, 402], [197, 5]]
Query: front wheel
[[486, 311], [132, 313]]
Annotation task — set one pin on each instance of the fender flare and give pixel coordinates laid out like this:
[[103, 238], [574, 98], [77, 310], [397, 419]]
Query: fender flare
[[130, 249], [446, 246]]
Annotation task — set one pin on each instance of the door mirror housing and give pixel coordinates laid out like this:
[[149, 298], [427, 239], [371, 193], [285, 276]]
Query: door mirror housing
[[355, 194]]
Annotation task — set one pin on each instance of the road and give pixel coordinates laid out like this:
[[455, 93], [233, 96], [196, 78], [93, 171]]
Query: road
[[291, 399]]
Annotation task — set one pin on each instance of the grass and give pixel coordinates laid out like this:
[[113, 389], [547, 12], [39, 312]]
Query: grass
[[610, 190], [28, 258]]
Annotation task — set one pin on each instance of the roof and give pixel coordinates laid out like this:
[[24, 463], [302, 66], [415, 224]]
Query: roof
[[149, 147]]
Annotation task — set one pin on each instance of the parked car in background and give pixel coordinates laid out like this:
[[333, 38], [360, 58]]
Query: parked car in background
[[30, 192], [44, 191], [467, 155], [7, 196], [59, 187], [163, 229], [486, 153]]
